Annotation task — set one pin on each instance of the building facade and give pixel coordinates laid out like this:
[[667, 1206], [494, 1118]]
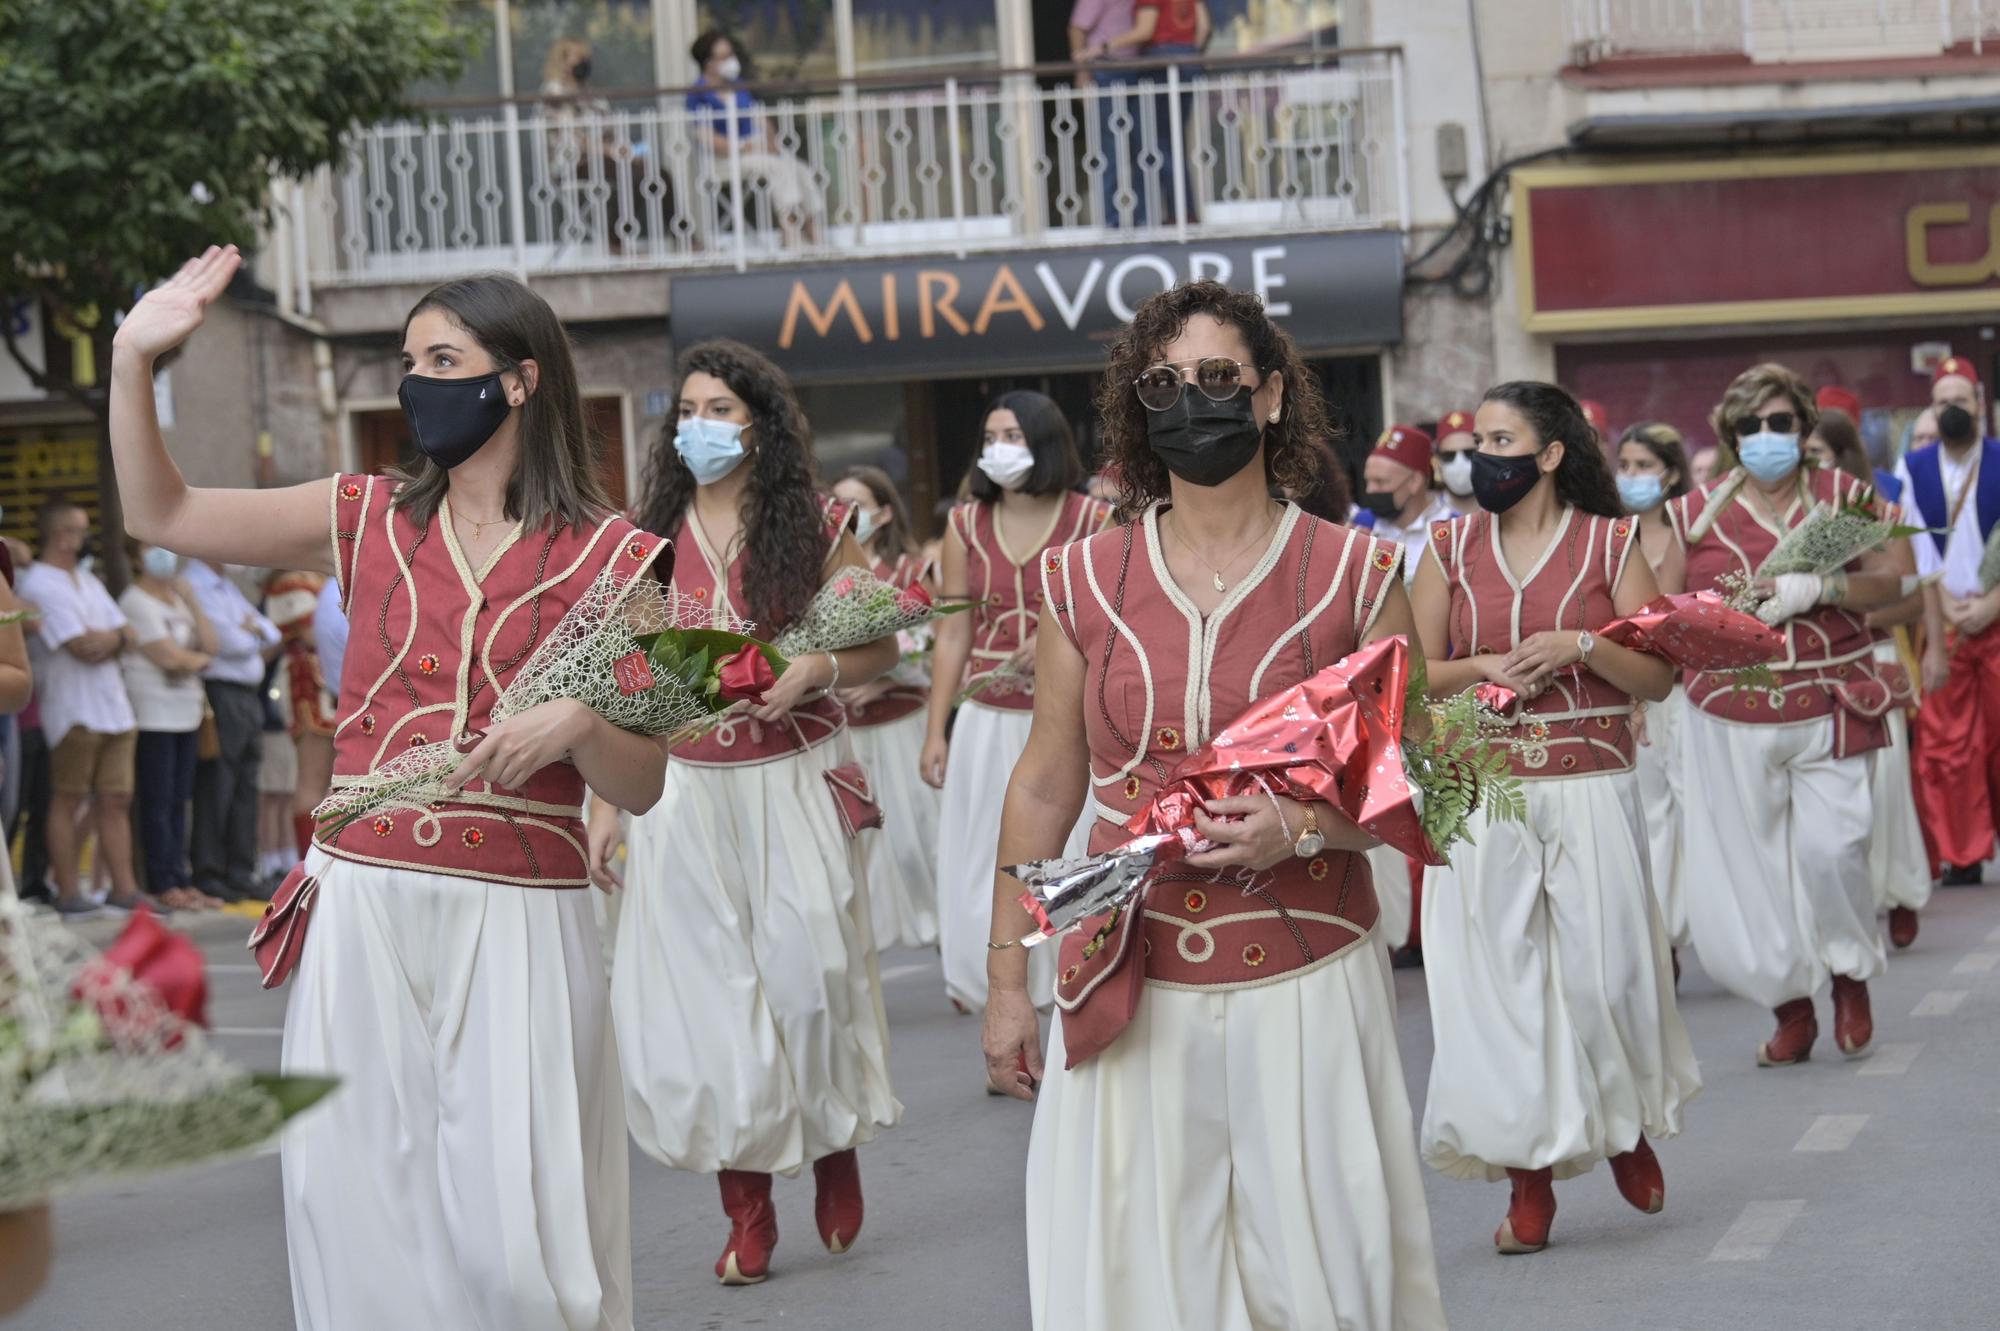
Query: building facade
[[927, 204]]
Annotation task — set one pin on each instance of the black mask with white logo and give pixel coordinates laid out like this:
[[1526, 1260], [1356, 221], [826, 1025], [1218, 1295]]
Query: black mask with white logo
[[1499, 483], [451, 419], [1205, 442]]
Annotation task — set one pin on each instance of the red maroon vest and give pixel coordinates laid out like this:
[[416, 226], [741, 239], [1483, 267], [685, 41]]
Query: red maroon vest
[[1581, 724], [701, 574], [431, 645], [1828, 668], [901, 699], [1003, 581], [1158, 682]]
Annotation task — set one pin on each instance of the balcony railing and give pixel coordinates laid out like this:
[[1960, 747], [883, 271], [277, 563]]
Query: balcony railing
[[1002, 161], [1781, 30]]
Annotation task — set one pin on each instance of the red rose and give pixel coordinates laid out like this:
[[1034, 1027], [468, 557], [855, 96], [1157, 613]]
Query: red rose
[[914, 598], [156, 957], [745, 675]]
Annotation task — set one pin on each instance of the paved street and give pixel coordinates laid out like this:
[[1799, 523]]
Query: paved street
[[1835, 1196]]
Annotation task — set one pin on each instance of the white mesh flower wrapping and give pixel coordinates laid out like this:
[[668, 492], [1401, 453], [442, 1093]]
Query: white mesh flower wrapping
[[854, 608], [78, 1105], [1829, 539], [577, 660]]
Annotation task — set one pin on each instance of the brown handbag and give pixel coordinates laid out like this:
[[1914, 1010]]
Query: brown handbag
[[208, 740], [853, 798]]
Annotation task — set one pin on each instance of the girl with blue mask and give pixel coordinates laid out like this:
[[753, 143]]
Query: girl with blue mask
[[1652, 472], [742, 877]]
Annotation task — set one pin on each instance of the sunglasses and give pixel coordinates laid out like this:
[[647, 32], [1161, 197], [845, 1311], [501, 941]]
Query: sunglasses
[[1160, 387], [1778, 422]]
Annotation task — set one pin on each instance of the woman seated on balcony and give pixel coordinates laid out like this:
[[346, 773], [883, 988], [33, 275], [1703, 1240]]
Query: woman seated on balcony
[[787, 182], [587, 144]]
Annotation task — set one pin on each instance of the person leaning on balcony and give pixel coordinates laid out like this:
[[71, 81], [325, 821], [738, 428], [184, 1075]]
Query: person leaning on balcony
[[585, 141], [726, 115], [1161, 30]]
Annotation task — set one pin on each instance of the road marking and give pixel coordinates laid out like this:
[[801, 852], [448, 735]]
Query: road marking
[[245, 1031], [1757, 1231], [908, 969], [1976, 963], [1890, 1060], [1832, 1132], [1942, 1003]]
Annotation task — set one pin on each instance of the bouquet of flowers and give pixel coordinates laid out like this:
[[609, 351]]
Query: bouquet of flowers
[[1340, 737], [1831, 537], [105, 1069], [651, 661]]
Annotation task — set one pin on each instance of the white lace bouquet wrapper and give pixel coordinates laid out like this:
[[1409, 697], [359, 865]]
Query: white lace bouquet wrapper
[[855, 608], [1830, 538], [585, 657], [99, 1080]]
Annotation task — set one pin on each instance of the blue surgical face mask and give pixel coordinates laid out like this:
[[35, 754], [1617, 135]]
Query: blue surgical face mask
[[1768, 455], [711, 448], [160, 563], [1642, 491]]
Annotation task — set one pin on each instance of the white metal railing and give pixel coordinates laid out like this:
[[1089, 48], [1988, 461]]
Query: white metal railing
[[1780, 30], [960, 166]]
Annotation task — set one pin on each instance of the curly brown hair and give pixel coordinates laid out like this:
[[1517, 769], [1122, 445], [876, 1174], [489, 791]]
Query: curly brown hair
[[1748, 391], [783, 533], [1291, 457]]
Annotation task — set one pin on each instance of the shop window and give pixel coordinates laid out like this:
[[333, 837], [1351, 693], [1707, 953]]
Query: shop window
[[619, 33], [894, 36], [40, 462], [787, 40], [382, 441]]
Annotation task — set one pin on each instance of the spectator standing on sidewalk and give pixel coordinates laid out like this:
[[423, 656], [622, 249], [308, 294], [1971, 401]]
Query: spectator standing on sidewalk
[[172, 644], [225, 786], [86, 715]]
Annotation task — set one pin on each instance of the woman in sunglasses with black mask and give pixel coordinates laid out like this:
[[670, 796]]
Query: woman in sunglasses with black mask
[[1223, 1138], [1778, 893], [1551, 985]]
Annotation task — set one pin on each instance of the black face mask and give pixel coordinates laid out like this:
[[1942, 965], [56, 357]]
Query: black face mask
[[1205, 442], [1500, 483], [580, 71], [452, 419], [1381, 503], [1955, 423]]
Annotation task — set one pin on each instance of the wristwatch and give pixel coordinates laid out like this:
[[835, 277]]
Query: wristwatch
[[1310, 842], [1585, 641]]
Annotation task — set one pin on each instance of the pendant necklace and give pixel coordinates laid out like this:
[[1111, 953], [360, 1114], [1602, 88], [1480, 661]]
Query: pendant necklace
[[1215, 573]]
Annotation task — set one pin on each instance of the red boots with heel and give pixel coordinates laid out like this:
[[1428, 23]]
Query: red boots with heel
[[753, 1221], [1530, 1214], [753, 1227]]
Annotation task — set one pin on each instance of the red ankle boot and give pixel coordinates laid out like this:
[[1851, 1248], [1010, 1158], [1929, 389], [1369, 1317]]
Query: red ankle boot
[[1853, 1023], [1902, 926], [753, 1227], [1529, 1214], [1640, 1181], [1797, 1029], [837, 1208]]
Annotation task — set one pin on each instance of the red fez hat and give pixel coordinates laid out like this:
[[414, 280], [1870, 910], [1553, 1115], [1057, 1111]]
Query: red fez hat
[[1840, 399], [1955, 366], [1600, 420], [1405, 444], [1455, 422]]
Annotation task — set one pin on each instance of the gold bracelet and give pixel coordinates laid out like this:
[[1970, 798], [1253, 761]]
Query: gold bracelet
[[1002, 947]]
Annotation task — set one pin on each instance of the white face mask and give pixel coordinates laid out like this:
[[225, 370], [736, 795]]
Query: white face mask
[[866, 523], [1006, 464], [1457, 471], [731, 69]]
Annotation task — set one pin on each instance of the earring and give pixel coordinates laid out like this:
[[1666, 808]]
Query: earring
[[1274, 415]]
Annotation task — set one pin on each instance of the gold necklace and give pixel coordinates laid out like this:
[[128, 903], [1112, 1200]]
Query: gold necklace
[[478, 527], [1214, 571]]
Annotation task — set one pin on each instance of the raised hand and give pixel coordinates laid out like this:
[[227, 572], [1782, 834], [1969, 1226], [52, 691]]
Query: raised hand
[[170, 312]]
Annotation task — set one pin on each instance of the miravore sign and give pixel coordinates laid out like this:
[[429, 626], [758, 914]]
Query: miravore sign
[[1048, 309]]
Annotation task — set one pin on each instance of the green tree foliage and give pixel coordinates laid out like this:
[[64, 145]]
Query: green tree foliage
[[135, 132]]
